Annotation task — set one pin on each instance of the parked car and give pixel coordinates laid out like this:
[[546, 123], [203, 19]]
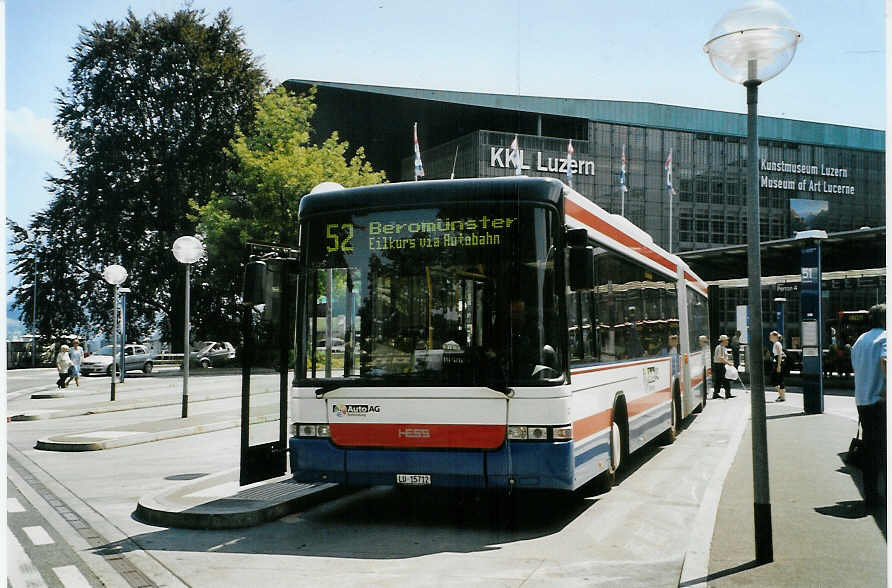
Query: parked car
[[136, 357], [337, 345], [212, 353]]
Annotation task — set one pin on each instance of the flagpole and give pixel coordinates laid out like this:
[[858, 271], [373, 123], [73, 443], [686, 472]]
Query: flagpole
[[670, 220], [454, 159]]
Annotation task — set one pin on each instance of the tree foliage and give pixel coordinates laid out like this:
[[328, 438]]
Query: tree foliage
[[276, 165], [149, 108]]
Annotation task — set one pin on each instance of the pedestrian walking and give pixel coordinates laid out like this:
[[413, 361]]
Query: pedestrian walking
[[719, 361], [735, 349], [76, 354], [869, 363], [63, 365], [778, 359]]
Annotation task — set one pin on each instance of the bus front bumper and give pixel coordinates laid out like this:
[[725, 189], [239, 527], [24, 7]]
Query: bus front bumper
[[529, 464]]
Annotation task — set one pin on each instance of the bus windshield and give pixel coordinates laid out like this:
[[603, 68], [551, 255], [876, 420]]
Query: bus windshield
[[456, 294]]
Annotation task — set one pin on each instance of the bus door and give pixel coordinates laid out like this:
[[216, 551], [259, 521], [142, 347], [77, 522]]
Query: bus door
[[268, 338]]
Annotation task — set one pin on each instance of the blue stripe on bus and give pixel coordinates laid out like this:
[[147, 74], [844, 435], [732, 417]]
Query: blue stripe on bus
[[591, 453]]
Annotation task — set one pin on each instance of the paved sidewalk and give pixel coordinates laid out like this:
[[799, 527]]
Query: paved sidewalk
[[821, 535]]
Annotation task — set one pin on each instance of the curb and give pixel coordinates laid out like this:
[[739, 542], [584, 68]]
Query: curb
[[47, 444], [235, 512], [695, 564]]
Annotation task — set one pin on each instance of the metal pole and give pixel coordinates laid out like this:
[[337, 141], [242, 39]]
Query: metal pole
[[34, 317], [761, 496], [114, 335], [186, 350], [670, 221], [122, 303]]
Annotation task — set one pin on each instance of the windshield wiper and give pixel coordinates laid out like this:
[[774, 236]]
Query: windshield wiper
[[504, 389], [325, 389]]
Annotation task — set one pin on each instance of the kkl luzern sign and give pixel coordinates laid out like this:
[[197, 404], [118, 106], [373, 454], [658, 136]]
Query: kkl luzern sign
[[501, 157], [805, 184]]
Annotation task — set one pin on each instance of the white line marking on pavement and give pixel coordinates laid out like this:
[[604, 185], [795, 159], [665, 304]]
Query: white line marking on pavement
[[21, 571], [696, 559], [38, 535], [13, 505], [104, 434], [71, 577]]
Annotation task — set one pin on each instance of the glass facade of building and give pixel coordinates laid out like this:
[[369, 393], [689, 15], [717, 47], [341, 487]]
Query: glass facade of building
[[709, 177]]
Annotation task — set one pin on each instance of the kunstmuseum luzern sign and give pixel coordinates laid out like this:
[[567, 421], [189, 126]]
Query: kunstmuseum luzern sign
[[805, 184]]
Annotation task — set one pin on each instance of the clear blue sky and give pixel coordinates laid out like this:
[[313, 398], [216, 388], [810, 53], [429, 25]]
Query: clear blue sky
[[640, 51]]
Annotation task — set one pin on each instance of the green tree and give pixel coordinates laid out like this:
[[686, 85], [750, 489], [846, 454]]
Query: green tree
[[276, 166], [149, 108]]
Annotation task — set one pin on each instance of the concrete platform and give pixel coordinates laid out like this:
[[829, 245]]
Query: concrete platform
[[217, 502], [109, 406], [146, 432], [822, 534]]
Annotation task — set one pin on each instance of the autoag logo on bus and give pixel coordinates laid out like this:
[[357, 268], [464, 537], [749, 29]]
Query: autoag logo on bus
[[354, 409]]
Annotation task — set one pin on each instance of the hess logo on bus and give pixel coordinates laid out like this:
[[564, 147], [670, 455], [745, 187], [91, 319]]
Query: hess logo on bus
[[414, 433]]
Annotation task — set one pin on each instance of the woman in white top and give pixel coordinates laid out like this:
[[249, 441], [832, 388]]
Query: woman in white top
[[778, 356], [76, 353], [63, 363]]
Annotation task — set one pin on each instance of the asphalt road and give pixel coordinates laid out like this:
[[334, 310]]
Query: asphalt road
[[635, 535]]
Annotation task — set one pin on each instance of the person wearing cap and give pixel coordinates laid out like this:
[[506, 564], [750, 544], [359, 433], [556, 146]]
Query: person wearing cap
[[778, 357], [719, 361], [63, 363]]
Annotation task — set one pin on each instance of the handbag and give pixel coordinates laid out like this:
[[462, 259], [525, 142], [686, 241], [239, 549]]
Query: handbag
[[855, 456]]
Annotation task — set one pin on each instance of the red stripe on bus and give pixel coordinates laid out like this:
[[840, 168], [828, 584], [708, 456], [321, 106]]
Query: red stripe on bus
[[644, 403], [588, 218], [588, 426], [417, 435], [617, 366], [585, 217]]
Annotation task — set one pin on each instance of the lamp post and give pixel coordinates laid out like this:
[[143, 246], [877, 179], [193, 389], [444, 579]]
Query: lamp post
[[751, 45], [114, 275], [123, 292], [187, 250], [38, 233]]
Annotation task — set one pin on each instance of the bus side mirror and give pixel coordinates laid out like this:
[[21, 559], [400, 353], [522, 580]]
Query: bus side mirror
[[582, 260], [582, 268], [255, 276]]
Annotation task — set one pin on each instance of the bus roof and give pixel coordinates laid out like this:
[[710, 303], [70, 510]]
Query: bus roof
[[403, 194], [611, 230]]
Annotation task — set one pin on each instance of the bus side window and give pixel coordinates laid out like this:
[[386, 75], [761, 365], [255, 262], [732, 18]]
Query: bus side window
[[574, 333], [589, 324]]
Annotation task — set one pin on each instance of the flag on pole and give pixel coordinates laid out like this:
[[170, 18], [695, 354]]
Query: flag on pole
[[570, 152], [622, 171], [514, 156], [419, 169], [669, 174]]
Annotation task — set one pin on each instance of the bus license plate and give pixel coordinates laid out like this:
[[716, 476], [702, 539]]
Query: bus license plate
[[414, 479]]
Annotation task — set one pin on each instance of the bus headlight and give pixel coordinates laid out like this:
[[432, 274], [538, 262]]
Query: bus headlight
[[323, 431], [537, 433], [307, 430], [516, 433], [562, 433]]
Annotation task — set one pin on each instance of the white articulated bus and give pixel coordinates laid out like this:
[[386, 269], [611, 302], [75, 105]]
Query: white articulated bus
[[497, 333]]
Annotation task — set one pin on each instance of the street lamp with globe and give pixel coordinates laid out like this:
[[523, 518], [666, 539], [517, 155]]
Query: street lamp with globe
[[114, 275], [751, 45], [187, 250]]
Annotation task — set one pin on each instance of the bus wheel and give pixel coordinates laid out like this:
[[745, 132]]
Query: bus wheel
[[669, 435], [604, 481]]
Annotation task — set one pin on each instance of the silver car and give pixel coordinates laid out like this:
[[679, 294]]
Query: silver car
[[136, 357]]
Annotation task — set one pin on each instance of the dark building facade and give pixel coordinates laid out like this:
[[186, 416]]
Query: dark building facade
[[812, 175]]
